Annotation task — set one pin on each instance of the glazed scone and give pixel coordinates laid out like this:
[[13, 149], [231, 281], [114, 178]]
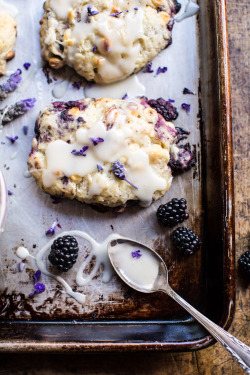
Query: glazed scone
[[105, 40], [8, 33], [102, 151]]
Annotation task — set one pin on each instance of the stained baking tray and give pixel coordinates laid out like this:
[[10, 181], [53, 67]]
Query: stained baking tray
[[115, 317]]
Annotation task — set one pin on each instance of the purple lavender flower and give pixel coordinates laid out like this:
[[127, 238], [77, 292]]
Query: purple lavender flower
[[161, 70], [77, 85], [171, 101], [12, 139], [115, 14], [37, 276], [21, 266], [38, 287], [25, 130], [92, 12], [51, 229], [10, 192], [80, 152], [125, 96], [148, 68], [187, 91], [26, 65], [186, 107], [136, 254], [119, 172], [99, 168], [96, 140], [94, 49], [11, 85]]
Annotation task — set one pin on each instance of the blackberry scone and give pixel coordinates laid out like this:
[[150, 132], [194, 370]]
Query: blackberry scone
[[105, 40], [102, 151], [8, 33]]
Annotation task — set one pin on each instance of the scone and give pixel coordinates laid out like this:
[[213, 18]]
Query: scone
[[8, 33], [105, 40], [102, 151]]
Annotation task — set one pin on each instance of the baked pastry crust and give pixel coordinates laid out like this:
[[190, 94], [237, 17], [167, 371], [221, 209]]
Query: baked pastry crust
[[105, 41], [130, 129], [8, 34]]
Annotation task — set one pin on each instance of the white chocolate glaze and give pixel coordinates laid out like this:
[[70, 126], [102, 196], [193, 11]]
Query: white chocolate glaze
[[116, 38], [60, 88], [190, 10], [22, 252], [98, 250], [141, 272], [130, 86], [116, 146], [27, 174]]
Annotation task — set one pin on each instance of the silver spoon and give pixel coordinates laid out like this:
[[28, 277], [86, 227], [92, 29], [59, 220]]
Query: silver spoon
[[158, 281]]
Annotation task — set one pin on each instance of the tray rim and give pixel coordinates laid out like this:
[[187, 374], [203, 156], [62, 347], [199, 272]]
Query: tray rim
[[228, 243]]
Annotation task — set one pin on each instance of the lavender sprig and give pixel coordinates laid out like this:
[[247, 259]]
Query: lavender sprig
[[11, 85], [119, 172], [148, 68], [80, 152], [16, 110]]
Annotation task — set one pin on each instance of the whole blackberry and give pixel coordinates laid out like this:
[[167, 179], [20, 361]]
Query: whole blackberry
[[166, 109], [63, 253], [173, 212], [244, 263], [186, 240]]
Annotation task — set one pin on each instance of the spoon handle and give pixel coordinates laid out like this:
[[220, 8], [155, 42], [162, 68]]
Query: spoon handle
[[235, 347]]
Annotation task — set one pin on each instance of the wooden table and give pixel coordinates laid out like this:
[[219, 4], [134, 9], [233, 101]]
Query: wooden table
[[213, 360]]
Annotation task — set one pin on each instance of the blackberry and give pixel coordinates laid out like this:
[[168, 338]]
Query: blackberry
[[166, 109], [186, 240], [244, 263], [64, 252], [173, 212]]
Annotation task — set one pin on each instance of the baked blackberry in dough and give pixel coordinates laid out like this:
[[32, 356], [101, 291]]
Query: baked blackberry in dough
[[8, 33], [102, 151], [105, 41]]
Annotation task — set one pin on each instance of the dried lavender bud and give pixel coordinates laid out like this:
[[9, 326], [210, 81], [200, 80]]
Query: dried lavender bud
[[99, 168], [16, 110], [136, 254], [92, 12], [187, 91], [96, 140], [148, 68], [115, 14], [12, 139], [119, 172], [125, 96], [80, 152], [51, 229], [186, 107], [161, 70], [11, 85], [26, 66]]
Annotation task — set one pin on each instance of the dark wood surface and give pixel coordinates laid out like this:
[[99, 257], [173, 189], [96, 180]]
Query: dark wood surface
[[213, 360]]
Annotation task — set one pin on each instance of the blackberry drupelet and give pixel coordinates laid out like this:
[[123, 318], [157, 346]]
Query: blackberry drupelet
[[244, 263], [186, 240], [64, 252], [173, 212], [166, 109]]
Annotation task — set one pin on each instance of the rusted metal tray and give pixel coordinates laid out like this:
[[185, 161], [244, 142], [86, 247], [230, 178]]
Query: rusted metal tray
[[122, 319]]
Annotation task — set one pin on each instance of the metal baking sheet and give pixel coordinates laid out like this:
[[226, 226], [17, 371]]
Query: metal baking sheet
[[113, 313]]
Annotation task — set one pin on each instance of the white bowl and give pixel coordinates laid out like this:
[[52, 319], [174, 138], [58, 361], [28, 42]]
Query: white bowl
[[3, 202]]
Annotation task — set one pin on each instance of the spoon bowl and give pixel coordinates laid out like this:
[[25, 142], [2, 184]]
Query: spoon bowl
[[123, 265], [145, 271]]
